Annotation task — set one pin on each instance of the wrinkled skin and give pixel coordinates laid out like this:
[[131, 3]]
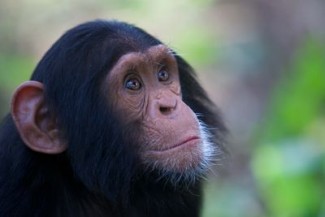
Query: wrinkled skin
[[148, 89]]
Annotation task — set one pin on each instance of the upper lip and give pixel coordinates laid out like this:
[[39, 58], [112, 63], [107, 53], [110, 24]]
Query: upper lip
[[188, 139]]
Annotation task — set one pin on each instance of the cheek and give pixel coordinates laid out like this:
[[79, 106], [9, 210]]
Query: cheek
[[128, 108]]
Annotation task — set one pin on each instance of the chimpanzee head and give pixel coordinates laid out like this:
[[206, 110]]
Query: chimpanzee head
[[118, 104]]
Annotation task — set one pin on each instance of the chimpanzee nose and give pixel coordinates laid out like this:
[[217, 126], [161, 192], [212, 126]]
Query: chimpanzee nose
[[166, 104]]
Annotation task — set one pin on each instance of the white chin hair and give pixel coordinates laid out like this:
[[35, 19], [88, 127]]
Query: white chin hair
[[210, 153]]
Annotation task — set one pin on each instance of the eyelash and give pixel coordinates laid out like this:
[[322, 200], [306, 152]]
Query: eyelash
[[133, 77]]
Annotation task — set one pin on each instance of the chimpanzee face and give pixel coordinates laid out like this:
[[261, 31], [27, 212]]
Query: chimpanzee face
[[145, 87]]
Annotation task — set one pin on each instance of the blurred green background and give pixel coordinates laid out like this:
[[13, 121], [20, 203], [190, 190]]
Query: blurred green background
[[262, 62]]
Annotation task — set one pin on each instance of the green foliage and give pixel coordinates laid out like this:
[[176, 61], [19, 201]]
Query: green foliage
[[299, 98], [14, 69], [229, 200], [289, 177], [202, 48], [289, 163]]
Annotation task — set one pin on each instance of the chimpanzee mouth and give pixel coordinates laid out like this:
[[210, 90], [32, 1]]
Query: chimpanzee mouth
[[190, 141]]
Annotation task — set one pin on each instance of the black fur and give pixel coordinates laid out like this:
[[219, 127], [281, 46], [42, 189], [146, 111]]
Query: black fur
[[98, 175]]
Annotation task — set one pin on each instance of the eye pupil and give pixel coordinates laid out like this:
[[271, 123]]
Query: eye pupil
[[163, 75], [133, 84]]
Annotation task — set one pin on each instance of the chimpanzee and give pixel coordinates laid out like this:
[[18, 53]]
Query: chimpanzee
[[112, 123]]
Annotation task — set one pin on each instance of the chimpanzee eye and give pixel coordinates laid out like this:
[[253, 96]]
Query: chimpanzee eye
[[133, 84], [163, 75]]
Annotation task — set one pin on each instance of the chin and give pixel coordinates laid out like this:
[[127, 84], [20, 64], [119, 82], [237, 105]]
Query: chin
[[187, 162]]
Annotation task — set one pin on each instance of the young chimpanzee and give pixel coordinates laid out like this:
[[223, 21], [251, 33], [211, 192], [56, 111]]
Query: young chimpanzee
[[111, 123]]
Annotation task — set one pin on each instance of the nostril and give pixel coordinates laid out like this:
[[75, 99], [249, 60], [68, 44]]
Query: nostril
[[165, 110]]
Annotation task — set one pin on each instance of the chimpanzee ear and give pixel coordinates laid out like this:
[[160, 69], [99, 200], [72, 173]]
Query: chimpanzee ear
[[37, 128]]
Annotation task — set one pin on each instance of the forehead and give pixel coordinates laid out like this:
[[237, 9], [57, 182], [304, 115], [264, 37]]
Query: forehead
[[151, 55]]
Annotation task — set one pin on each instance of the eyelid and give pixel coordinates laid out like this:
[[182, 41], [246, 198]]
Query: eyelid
[[162, 66], [132, 74], [163, 78]]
